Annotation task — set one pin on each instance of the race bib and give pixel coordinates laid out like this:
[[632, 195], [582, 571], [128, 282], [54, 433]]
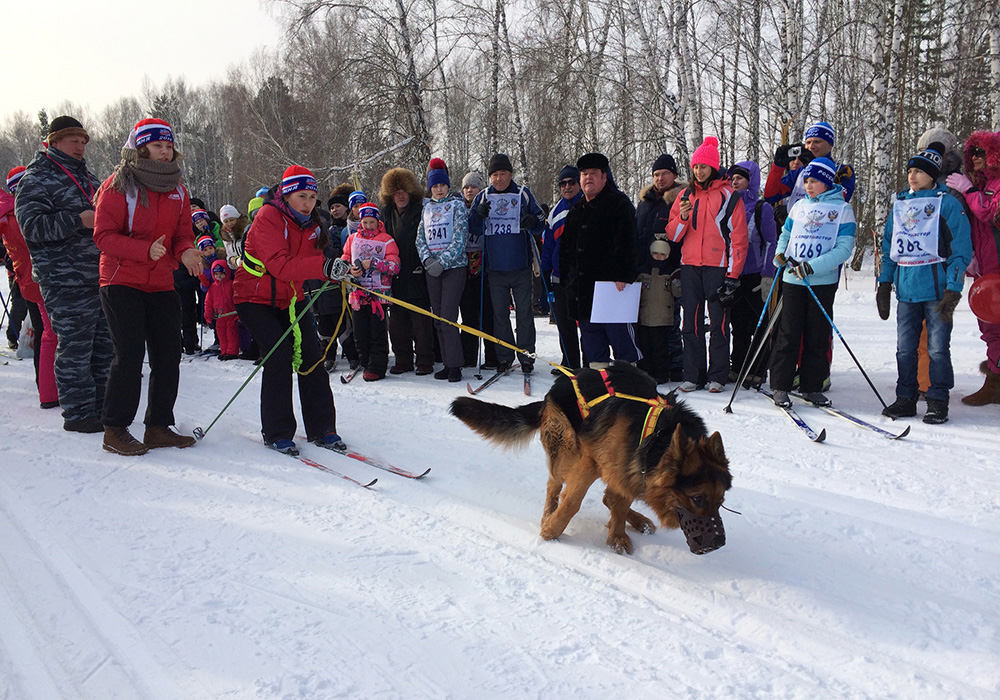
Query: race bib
[[915, 226], [505, 214], [814, 229], [439, 224], [368, 249]]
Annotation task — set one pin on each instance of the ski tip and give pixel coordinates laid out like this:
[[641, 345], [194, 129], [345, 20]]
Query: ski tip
[[343, 380], [421, 476], [470, 389], [903, 434], [371, 483], [821, 437]]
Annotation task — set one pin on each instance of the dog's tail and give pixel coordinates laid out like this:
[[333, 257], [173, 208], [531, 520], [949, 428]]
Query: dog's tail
[[502, 425]]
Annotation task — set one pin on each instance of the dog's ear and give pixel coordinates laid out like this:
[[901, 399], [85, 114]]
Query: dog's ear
[[677, 443], [715, 447]]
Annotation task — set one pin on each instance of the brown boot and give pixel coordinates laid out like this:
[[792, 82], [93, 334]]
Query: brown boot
[[990, 393], [163, 436], [121, 442]]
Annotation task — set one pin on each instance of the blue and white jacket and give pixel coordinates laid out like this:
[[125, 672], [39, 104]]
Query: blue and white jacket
[[553, 232], [826, 267], [920, 283], [508, 252], [454, 255]]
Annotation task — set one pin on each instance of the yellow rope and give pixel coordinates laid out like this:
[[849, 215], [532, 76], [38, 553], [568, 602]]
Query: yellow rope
[[456, 324]]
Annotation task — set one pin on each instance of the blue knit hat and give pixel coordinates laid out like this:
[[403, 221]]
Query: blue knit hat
[[569, 172], [821, 130], [437, 173], [355, 198], [929, 160], [822, 169], [369, 210]]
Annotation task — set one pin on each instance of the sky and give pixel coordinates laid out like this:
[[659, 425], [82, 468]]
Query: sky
[[92, 53]]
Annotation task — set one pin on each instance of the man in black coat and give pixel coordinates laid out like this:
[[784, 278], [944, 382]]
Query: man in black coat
[[599, 245]]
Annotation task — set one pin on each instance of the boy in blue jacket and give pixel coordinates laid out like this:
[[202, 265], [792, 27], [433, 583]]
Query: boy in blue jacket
[[816, 239], [926, 246]]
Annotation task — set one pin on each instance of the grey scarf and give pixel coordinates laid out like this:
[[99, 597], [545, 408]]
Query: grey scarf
[[142, 174]]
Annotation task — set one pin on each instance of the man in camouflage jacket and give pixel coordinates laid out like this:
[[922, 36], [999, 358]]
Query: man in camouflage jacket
[[55, 209]]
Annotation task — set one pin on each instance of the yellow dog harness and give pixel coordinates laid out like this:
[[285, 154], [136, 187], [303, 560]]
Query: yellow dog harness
[[656, 405]]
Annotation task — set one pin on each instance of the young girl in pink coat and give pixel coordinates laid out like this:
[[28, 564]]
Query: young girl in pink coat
[[221, 310]]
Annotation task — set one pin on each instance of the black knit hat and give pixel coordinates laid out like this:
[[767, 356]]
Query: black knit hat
[[500, 161], [665, 162], [739, 170], [337, 199], [63, 127], [929, 160], [593, 160]]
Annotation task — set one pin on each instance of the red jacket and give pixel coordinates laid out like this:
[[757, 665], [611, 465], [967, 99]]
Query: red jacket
[[288, 252], [125, 249], [17, 250], [219, 300], [715, 234]]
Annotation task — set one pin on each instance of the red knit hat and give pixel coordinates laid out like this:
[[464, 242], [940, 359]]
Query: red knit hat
[[13, 177], [149, 130], [297, 178], [707, 153]]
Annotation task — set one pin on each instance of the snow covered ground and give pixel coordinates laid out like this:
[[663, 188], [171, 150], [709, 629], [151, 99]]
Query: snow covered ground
[[859, 568]]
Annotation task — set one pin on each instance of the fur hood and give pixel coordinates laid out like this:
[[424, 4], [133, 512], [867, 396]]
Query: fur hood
[[991, 143], [647, 193], [399, 179], [238, 228]]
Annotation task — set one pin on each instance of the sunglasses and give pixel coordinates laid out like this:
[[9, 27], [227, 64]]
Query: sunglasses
[[566, 183], [978, 152]]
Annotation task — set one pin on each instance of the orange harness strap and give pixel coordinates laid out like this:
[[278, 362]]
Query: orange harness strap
[[656, 405]]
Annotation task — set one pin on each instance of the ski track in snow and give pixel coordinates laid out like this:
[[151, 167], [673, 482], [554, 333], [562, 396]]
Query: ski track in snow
[[859, 568]]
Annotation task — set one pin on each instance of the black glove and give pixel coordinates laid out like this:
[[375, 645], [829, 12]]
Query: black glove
[[802, 270], [484, 208], [528, 220], [726, 294], [946, 307], [781, 157], [882, 299], [779, 261], [336, 269]]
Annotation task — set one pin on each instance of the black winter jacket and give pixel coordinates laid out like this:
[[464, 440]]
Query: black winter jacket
[[598, 244]]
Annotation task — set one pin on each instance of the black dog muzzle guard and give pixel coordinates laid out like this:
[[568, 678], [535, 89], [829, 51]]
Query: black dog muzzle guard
[[704, 533]]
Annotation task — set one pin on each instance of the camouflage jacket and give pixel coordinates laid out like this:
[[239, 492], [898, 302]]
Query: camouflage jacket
[[48, 206]]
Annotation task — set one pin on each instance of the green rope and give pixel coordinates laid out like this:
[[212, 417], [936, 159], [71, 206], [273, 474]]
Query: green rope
[[295, 323]]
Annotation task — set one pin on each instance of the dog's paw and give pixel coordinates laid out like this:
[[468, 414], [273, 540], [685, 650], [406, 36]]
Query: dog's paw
[[648, 528], [620, 543], [550, 530]]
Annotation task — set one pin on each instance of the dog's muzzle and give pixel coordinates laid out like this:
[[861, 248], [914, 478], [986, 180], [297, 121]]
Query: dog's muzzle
[[704, 533]]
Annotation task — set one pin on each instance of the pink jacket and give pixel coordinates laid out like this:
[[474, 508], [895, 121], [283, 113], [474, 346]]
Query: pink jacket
[[984, 202]]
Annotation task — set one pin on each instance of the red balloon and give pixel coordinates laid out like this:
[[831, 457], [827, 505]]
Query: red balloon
[[984, 298]]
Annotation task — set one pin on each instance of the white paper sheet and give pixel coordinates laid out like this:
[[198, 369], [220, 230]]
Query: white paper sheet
[[612, 306]]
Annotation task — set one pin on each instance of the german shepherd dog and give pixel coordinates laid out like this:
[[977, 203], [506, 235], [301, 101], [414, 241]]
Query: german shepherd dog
[[678, 470]]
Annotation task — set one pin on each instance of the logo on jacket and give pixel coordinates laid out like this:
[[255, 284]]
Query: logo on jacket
[[173, 196], [832, 216], [911, 217], [814, 220]]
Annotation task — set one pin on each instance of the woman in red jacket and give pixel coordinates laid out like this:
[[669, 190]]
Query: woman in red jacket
[[143, 228], [284, 248], [45, 337]]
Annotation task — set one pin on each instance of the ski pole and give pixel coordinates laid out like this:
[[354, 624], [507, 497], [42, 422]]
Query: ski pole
[[199, 433], [5, 314], [480, 343], [747, 362], [839, 335]]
